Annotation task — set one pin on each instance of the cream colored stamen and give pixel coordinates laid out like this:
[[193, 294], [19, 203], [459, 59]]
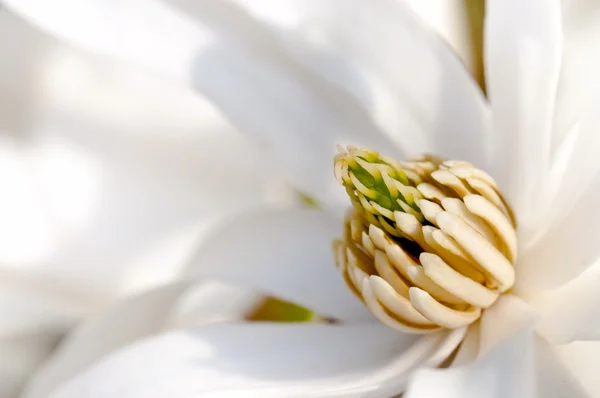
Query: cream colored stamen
[[430, 244]]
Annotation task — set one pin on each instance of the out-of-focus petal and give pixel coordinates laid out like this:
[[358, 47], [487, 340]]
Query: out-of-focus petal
[[566, 250], [508, 370], [582, 360], [174, 306], [412, 84], [557, 378], [104, 185], [334, 360], [523, 49], [450, 20], [29, 305], [576, 169], [107, 169], [580, 62], [507, 316], [296, 116], [285, 253], [524, 365], [575, 142], [20, 356], [111, 29], [575, 139], [469, 348], [256, 360], [572, 311]]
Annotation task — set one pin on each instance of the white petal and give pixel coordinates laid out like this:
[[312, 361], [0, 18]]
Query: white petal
[[581, 361], [177, 305], [469, 348], [410, 81], [298, 116], [449, 345], [283, 355], [449, 19], [211, 301], [523, 48], [563, 371], [30, 304], [508, 370], [103, 172], [144, 315], [566, 250], [506, 317], [576, 168], [86, 24], [572, 312], [522, 366], [576, 121], [284, 253], [20, 356], [580, 62], [293, 114], [253, 360]]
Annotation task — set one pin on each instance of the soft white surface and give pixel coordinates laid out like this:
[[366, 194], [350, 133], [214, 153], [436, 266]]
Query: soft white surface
[[173, 306], [523, 47], [413, 85], [286, 254], [230, 357], [540, 146], [104, 186]]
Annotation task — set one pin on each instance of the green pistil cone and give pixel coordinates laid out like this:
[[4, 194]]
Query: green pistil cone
[[378, 187]]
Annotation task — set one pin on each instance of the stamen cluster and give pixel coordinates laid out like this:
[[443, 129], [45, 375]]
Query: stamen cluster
[[428, 244]]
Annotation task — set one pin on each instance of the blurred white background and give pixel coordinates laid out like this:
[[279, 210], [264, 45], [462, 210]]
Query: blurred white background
[[109, 178]]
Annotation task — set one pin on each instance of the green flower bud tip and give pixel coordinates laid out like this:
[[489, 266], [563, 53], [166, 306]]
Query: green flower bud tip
[[378, 185]]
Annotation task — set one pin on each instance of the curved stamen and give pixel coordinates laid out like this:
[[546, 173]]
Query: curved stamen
[[430, 244]]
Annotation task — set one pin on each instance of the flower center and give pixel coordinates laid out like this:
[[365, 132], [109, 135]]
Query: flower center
[[428, 244]]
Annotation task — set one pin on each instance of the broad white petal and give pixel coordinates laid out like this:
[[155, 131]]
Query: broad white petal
[[450, 20], [453, 339], [572, 312], [507, 316], [173, 306], [523, 49], [30, 304], [469, 348], [293, 114], [101, 180], [576, 168], [254, 360], [580, 61], [562, 372], [512, 361], [582, 360], [19, 358], [413, 85], [133, 319], [111, 29], [107, 168], [525, 366], [567, 249], [285, 253], [508, 370], [576, 120]]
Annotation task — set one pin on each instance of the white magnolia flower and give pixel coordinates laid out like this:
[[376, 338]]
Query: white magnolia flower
[[300, 77]]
